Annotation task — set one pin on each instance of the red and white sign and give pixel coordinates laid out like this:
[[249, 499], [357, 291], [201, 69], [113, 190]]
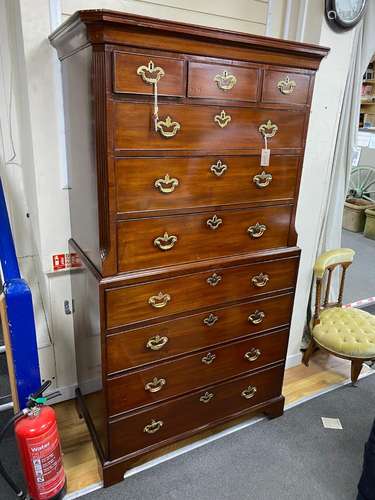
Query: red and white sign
[[64, 261], [59, 262]]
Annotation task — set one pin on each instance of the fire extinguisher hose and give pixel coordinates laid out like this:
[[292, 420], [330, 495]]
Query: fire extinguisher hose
[[3, 472]]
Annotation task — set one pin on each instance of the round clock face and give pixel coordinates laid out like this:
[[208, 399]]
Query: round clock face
[[345, 13]]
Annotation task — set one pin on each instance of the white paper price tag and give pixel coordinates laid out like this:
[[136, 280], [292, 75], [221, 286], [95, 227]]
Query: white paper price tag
[[265, 157]]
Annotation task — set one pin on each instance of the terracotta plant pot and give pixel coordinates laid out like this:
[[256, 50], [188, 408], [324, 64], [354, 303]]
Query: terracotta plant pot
[[354, 214], [369, 231]]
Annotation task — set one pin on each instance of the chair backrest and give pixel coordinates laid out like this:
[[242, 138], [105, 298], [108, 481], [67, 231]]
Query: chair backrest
[[327, 262]]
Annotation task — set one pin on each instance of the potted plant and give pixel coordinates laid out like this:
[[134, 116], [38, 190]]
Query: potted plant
[[360, 198]]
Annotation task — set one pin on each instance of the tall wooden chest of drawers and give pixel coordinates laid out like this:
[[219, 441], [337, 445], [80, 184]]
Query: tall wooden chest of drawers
[[188, 247]]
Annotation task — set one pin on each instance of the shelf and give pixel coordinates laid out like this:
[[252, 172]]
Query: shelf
[[368, 81]]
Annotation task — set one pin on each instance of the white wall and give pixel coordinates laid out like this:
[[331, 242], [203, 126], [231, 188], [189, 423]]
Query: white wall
[[242, 15], [38, 90]]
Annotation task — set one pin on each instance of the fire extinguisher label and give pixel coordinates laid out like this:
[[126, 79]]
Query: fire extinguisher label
[[45, 456]]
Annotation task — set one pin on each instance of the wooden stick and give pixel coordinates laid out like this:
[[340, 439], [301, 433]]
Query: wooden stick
[[341, 292], [8, 352], [328, 287]]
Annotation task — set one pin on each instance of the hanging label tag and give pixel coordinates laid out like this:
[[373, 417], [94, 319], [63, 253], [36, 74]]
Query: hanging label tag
[[265, 157]]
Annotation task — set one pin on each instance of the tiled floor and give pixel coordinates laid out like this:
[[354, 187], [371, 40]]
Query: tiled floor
[[360, 282]]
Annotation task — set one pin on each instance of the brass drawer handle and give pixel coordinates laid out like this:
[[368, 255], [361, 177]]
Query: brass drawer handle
[[155, 385], [214, 223], [153, 427], [249, 392], [214, 279], [222, 119], [209, 358], [160, 300], [262, 180], [165, 242], [253, 354], [286, 86], [257, 230], [219, 168], [225, 81], [150, 74], [206, 398], [156, 343], [166, 185], [268, 129], [260, 280], [210, 320], [257, 317], [171, 127]]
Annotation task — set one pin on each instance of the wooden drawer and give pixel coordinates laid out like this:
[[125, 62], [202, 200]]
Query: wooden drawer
[[220, 81], [194, 182], [198, 130], [185, 293], [199, 331], [285, 87], [173, 378], [184, 414], [164, 241], [127, 80]]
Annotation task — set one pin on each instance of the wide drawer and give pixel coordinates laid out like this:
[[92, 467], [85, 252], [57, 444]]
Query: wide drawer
[[209, 128], [186, 374], [131, 71], [220, 81], [160, 298], [196, 411], [285, 87], [193, 182], [153, 343], [165, 241]]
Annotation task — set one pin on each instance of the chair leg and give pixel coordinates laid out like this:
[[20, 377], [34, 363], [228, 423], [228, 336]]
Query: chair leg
[[356, 369], [310, 349]]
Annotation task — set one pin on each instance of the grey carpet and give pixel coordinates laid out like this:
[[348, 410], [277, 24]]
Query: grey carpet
[[370, 309], [9, 458], [360, 281], [289, 458]]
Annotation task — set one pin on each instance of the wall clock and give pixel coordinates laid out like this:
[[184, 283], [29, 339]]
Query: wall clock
[[345, 14]]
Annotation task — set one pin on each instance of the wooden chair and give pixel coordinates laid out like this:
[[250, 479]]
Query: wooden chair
[[348, 333]]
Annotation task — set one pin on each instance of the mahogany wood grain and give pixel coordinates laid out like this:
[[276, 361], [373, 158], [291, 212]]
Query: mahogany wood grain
[[105, 26], [272, 94], [126, 79], [127, 435], [134, 127], [201, 82], [128, 392], [198, 185], [126, 350], [126, 266], [196, 241], [130, 304]]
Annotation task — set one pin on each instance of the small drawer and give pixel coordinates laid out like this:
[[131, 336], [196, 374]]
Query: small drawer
[[173, 378], [220, 81], [285, 87], [196, 411], [193, 127], [165, 241], [161, 298], [194, 182], [131, 72], [175, 337]]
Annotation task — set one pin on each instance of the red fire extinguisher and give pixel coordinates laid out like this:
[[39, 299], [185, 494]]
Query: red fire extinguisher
[[40, 451]]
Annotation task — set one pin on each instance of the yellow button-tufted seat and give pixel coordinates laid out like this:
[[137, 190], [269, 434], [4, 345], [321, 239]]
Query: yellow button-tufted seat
[[348, 332]]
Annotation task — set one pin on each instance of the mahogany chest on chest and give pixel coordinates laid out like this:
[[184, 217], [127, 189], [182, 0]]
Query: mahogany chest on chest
[[189, 261]]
